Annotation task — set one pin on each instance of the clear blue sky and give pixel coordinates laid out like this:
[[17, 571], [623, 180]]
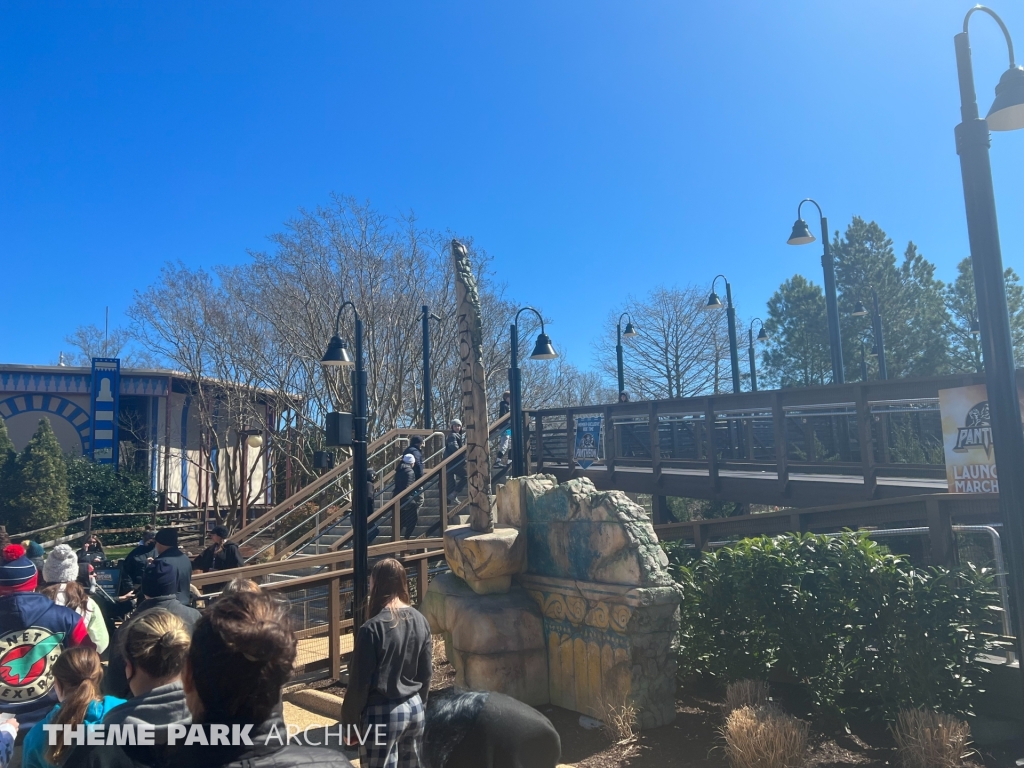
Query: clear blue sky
[[596, 149]]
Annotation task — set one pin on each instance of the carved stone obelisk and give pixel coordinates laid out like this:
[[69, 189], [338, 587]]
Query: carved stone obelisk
[[473, 380]]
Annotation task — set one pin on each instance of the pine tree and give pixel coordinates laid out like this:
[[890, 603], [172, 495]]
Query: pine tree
[[961, 307], [797, 354], [909, 296], [42, 493], [8, 472]]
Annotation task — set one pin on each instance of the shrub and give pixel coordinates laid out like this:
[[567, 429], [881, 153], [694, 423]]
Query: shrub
[[854, 626], [764, 737], [926, 739], [746, 693], [41, 495]]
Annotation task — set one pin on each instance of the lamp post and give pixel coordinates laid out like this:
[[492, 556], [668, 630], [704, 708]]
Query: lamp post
[[428, 418], [251, 438], [716, 303], [542, 350], [762, 336], [629, 333], [972, 143], [860, 310], [800, 235], [337, 355]]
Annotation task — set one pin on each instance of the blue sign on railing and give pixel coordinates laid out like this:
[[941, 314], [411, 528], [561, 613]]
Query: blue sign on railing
[[106, 389], [588, 440]]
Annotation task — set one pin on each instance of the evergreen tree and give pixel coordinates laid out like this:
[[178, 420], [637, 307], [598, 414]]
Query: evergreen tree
[[910, 302], [8, 472], [962, 313], [42, 493], [797, 354]]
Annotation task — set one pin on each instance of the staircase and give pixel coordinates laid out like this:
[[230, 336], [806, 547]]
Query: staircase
[[316, 519]]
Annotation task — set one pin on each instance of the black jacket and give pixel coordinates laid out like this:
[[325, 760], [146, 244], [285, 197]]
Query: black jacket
[[183, 567], [134, 564], [453, 442], [266, 751], [114, 681], [404, 477], [504, 407], [217, 559], [418, 466]]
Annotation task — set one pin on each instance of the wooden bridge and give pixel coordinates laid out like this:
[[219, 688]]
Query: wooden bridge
[[805, 447]]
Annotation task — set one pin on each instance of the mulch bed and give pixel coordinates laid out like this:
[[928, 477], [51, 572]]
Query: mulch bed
[[694, 738]]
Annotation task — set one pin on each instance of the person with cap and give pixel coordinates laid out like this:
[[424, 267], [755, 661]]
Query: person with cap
[[167, 549], [415, 447], [60, 572], [135, 562], [159, 584], [219, 555], [34, 631], [34, 552], [453, 442], [405, 475], [92, 552]]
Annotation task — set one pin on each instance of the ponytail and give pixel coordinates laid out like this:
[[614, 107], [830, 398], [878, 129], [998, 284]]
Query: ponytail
[[79, 673]]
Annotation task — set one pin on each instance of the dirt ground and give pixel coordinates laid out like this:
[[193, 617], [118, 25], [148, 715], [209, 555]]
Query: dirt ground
[[694, 739]]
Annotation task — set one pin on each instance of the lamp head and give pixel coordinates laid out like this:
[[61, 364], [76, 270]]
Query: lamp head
[[337, 354], [1007, 112], [254, 441], [762, 335], [975, 327], [630, 331], [714, 302], [859, 310], [543, 350], [801, 234]]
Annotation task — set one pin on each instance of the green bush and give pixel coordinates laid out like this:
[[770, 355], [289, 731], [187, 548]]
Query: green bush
[[40, 495], [108, 492], [859, 629]]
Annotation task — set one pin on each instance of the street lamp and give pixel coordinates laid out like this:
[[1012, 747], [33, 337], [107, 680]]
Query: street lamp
[[542, 350], [859, 310], [337, 356], [716, 303], [801, 235], [762, 336], [972, 143], [428, 419], [250, 438], [629, 333]]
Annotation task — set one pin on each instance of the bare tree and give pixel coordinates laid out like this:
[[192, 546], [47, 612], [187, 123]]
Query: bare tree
[[91, 341]]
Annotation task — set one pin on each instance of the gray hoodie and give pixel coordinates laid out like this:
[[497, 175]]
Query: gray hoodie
[[160, 707]]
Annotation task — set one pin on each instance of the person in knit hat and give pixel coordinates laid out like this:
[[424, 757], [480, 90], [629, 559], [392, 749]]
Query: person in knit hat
[[60, 572], [34, 631], [34, 552], [167, 549]]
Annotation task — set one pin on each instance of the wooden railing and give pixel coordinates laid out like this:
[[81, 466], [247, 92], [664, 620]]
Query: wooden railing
[[800, 446]]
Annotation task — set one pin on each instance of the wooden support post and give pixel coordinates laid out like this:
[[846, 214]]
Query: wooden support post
[[539, 431], [396, 519], [867, 445], [940, 534], [654, 438], [443, 500], [570, 439], [610, 451], [781, 444], [699, 537], [796, 523], [88, 523], [334, 623], [422, 577], [711, 451]]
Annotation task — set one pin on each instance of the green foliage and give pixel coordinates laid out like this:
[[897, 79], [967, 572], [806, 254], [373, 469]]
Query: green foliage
[[683, 509], [8, 473], [962, 312], [861, 630], [910, 302], [797, 353], [108, 492], [41, 496]]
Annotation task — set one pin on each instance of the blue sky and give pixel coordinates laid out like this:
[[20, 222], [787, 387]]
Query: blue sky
[[595, 149]]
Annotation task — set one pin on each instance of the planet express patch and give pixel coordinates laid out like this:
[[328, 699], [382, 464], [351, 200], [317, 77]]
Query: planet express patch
[[26, 663]]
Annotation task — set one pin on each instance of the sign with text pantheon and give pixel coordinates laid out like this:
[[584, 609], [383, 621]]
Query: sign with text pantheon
[[967, 440]]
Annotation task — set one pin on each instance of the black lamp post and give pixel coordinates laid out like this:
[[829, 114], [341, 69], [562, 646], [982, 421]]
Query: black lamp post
[[716, 303], [428, 417], [972, 143], [762, 336], [629, 333], [860, 310], [802, 234], [542, 350], [337, 355]]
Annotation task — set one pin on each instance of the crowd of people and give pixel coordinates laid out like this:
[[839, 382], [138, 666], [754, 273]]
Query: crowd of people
[[166, 665]]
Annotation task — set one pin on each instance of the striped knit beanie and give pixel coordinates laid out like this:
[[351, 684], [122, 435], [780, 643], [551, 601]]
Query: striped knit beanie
[[17, 572]]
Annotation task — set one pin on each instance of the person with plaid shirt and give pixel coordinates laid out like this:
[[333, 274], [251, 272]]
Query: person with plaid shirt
[[389, 677]]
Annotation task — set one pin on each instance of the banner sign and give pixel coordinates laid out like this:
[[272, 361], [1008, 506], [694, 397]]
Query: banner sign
[[967, 440], [106, 390], [588, 440]]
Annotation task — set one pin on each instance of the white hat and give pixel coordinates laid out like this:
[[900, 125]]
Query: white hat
[[61, 565], [456, 423], [408, 458]]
